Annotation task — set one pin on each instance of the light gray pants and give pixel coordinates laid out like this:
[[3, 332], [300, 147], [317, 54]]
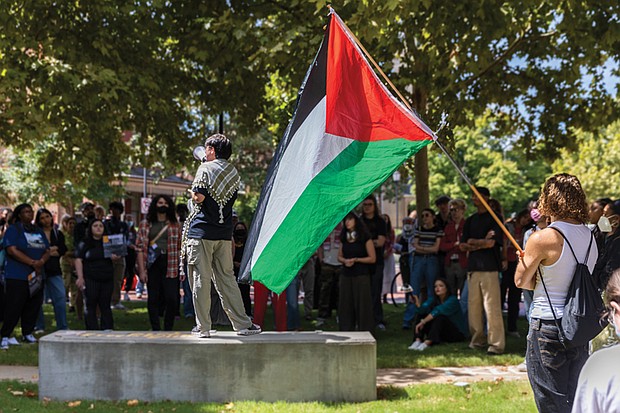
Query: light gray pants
[[208, 261]]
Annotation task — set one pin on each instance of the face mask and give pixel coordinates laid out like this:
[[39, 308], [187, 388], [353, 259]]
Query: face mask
[[240, 233], [603, 224], [162, 209], [130, 224]]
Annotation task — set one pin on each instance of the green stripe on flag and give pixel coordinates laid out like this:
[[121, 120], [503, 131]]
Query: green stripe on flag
[[335, 191]]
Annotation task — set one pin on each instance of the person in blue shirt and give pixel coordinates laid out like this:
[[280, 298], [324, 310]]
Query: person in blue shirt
[[27, 250], [439, 319]]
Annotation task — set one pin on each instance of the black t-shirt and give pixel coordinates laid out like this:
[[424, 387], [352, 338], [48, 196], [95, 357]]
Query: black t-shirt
[[355, 249], [376, 226], [52, 266], [207, 225], [477, 226], [96, 266]]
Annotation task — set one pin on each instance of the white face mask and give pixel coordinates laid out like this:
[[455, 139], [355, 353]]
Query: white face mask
[[603, 224]]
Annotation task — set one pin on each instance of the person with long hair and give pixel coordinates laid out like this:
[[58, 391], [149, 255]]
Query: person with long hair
[[27, 252], [552, 369], [377, 228], [357, 254], [95, 277], [439, 319], [161, 233], [599, 380], [53, 283], [425, 263]]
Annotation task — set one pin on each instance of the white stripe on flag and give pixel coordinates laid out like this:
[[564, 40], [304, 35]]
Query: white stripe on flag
[[307, 154]]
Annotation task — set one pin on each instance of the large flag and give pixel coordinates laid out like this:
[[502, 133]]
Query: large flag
[[347, 136]]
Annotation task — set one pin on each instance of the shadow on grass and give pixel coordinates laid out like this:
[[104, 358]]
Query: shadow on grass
[[391, 393]]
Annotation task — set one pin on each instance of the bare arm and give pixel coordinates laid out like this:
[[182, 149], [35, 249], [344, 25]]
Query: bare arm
[[79, 269], [543, 247]]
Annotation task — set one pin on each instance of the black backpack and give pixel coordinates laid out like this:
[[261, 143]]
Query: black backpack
[[584, 305]]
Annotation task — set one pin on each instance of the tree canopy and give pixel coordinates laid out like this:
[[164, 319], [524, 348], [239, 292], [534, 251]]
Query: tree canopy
[[75, 75]]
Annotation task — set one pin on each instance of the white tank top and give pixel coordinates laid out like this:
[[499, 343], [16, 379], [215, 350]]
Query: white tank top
[[559, 275]]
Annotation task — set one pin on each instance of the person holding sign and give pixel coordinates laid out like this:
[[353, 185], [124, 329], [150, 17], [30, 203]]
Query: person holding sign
[[157, 247], [27, 252], [95, 277]]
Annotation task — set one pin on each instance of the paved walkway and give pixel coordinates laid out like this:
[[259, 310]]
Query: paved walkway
[[393, 377]]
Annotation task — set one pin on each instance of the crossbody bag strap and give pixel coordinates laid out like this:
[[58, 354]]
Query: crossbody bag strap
[[159, 234], [561, 336]]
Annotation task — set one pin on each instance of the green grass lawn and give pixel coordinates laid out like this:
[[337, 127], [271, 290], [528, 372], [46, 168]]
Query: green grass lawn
[[391, 344], [477, 397]]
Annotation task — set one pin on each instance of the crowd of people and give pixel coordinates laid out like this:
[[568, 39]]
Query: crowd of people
[[459, 273]]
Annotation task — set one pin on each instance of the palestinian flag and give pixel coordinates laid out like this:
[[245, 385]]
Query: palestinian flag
[[347, 136]]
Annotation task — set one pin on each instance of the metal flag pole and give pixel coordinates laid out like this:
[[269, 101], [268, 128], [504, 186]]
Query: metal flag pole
[[435, 138]]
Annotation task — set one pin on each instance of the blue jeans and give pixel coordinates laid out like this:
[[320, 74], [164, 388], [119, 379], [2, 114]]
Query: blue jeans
[[553, 370], [463, 302], [424, 267], [55, 290], [410, 312], [292, 305]]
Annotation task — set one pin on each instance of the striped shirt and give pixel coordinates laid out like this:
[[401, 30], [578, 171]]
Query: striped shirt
[[427, 237], [173, 247]]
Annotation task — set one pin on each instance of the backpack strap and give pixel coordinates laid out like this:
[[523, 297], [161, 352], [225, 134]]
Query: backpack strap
[[585, 261]]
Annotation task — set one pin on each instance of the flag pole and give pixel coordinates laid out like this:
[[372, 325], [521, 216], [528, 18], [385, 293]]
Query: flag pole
[[435, 138]]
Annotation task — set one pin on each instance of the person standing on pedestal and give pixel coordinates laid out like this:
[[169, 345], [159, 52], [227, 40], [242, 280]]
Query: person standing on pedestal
[[209, 239]]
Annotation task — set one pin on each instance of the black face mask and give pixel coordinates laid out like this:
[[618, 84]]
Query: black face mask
[[2, 222], [162, 209], [241, 233]]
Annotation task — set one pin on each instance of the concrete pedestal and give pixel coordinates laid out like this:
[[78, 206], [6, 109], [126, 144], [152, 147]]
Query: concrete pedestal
[[150, 366]]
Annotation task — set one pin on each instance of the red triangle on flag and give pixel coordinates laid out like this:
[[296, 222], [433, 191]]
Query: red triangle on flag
[[359, 106]]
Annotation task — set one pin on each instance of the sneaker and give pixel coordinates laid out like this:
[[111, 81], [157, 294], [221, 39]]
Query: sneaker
[[320, 322], [405, 288], [4, 344], [514, 334], [13, 341], [126, 297], [204, 334], [415, 345], [522, 367], [38, 331], [251, 330], [195, 331], [138, 295], [381, 326], [423, 346], [118, 306], [29, 338]]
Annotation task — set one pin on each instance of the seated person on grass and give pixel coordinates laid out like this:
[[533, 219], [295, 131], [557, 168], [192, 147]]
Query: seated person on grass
[[439, 319]]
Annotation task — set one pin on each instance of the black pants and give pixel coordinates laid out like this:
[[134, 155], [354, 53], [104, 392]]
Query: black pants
[[245, 297], [405, 271], [439, 330], [98, 294], [163, 295], [376, 287], [514, 295], [328, 297], [18, 304], [354, 306]]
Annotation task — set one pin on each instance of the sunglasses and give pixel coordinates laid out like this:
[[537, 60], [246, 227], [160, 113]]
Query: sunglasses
[[454, 209]]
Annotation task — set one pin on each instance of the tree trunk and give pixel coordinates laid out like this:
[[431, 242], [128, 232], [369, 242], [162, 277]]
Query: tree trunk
[[421, 180], [421, 158]]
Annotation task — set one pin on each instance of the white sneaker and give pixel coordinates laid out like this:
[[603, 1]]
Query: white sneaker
[[126, 297], [138, 295], [423, 346], [29, 338], [415, 345], [522, 367], [118, 306], [250, 331], [4, 344], [13, 341], [405, 288]]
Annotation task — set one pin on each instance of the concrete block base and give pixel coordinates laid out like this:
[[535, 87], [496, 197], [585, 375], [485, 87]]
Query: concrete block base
[[151, 366]]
